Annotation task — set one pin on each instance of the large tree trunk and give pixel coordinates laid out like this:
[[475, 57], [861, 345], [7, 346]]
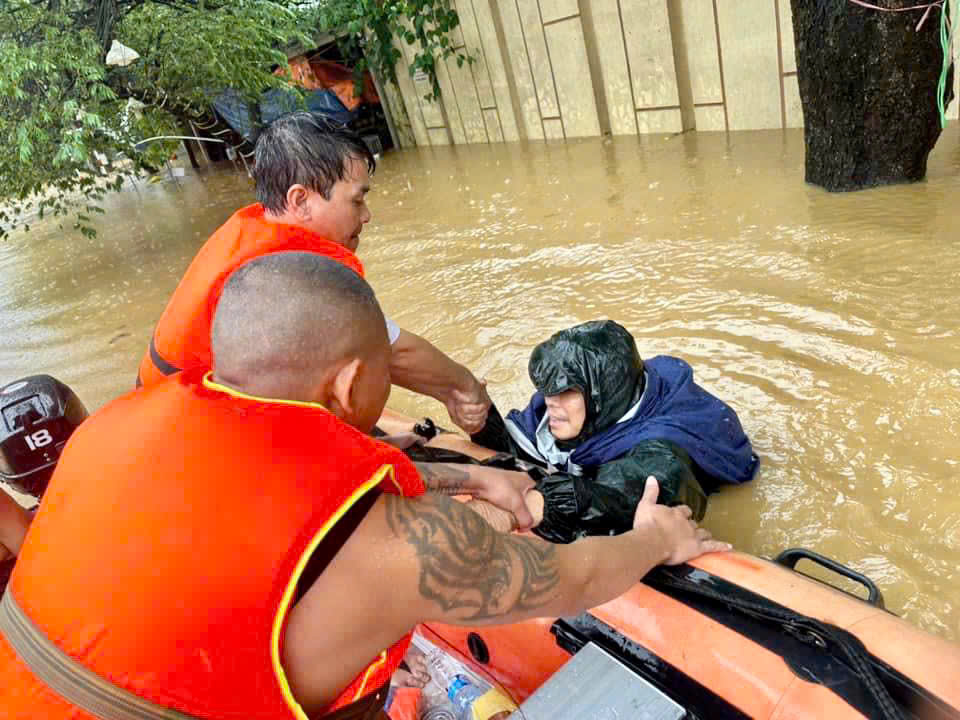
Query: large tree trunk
[[868, 83]]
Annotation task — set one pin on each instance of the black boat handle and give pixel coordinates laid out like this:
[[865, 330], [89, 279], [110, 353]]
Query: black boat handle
[[790, 558]]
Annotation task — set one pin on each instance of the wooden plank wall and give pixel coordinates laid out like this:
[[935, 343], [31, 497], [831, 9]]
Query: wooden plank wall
[[557, 69]]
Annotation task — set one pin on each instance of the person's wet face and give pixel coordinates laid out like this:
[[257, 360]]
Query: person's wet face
[[566, 413], [342, 217]]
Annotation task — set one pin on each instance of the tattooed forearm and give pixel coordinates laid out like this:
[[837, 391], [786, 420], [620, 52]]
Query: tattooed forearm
[[467, 567], [444, 478]]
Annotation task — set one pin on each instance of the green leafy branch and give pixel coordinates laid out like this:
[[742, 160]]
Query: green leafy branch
[[71, 123], [368, 32]]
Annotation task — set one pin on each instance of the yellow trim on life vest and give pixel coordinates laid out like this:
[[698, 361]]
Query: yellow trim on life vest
[[211, 384], [370, 671], [291, 588]]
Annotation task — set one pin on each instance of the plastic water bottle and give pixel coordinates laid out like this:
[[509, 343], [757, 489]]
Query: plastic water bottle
[[462, 694], [440, 668]]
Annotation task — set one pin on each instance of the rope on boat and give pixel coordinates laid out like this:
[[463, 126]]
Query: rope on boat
[[806, 629]]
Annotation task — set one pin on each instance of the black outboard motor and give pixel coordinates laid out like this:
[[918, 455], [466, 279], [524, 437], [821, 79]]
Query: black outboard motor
[[37, 416]]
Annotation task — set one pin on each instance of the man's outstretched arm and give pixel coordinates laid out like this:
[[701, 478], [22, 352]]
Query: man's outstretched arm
[[432, 558], [504, 489], [419, 366]]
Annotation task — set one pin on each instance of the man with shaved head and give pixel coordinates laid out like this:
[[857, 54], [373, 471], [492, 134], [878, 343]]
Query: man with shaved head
[[286, 344], [291, 595]]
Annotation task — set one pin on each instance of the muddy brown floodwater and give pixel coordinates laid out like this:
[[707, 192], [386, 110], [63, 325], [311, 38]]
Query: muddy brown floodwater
[[830, 322]]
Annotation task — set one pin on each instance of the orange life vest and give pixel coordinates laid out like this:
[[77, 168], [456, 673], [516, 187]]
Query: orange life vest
[[167, 551], [181, 340]]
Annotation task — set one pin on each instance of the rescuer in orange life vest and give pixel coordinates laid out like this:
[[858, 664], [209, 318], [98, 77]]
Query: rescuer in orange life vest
[[250, 551], [311, 180]]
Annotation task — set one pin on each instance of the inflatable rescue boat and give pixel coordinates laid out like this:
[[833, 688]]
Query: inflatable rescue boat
[[725, 637]]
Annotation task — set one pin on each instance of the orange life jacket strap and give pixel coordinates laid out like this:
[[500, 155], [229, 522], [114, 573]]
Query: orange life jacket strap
[[75, 683]]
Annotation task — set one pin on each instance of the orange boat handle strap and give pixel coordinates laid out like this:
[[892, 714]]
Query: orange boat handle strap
[[69, 679]]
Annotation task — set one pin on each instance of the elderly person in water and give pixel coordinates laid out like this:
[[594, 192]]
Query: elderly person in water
[[603, 421]]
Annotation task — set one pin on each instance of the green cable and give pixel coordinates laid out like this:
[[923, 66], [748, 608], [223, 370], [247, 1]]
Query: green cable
[[946, 43]]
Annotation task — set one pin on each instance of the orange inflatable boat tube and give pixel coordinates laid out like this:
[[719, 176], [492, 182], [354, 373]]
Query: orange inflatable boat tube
[[730, 636]]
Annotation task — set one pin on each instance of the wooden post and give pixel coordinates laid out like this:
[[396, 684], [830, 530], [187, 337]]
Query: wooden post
[[188, 145], [203, 146], [385, 104]]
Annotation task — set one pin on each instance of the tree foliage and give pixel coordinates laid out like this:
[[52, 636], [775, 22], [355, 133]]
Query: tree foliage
[[70, 123], [370, 28]]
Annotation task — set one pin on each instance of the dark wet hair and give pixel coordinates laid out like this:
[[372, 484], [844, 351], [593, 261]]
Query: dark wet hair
[[305, 149]]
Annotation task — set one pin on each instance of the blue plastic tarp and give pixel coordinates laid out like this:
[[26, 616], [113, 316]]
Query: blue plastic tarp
[[236, 112], [276, 102], [327, 104]]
